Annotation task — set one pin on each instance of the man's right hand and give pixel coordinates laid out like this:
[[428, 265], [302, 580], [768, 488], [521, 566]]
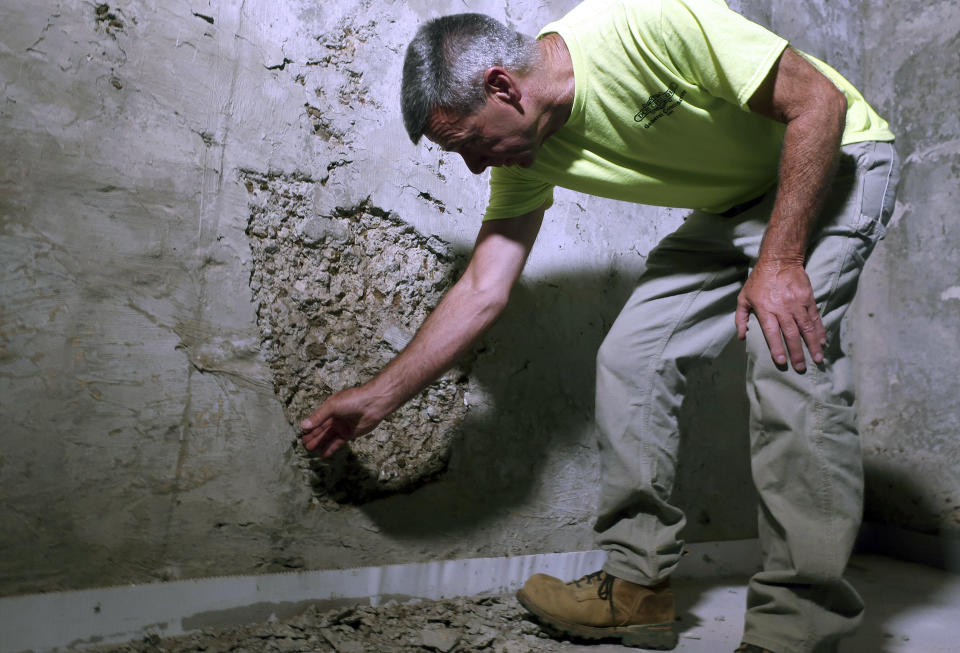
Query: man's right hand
[[345, 415]]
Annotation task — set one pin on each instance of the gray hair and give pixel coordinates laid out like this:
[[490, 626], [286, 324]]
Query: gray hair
[[446, 60]]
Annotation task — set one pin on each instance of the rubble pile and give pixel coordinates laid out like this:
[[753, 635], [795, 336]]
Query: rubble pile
[[494, 624]]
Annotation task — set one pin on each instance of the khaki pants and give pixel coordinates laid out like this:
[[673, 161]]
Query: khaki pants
[[804, 445]]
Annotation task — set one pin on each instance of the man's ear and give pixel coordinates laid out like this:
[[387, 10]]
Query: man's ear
[[499, 84]]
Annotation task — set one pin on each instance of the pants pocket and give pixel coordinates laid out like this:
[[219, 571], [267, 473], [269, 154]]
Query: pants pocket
[[880, 167]]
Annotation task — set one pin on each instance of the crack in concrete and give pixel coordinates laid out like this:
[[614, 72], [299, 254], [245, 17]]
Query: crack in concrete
[[32, 48]]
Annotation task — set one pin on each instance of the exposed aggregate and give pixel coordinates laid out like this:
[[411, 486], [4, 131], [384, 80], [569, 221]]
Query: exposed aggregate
[[338, 296]]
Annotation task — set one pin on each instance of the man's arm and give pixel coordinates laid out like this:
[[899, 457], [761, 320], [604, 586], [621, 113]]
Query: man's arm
[[464, 313], [778, 290]]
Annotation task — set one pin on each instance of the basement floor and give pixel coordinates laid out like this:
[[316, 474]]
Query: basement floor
[[911, 609]]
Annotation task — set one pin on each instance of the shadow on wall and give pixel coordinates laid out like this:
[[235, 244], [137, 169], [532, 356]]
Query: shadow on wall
[[339, 295], [903, 515], [896, 494], [535, 434]]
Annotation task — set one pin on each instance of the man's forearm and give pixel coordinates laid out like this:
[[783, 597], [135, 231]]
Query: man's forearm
[[465, 312], [807, 164], [778, 290], [461, 317]]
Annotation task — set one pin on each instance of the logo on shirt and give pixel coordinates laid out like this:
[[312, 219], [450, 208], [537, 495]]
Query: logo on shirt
[[660, 105]]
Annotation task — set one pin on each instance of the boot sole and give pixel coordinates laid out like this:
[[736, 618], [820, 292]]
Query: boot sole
[[660, 637]]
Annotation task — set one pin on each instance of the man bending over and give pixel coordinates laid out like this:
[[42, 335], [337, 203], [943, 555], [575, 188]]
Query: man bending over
[[790, 175]]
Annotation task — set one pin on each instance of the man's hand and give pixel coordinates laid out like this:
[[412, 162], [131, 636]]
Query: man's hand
[[782, 298], [344, 416], [778, 291]]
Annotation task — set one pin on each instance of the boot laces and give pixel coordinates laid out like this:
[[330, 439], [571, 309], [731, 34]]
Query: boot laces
[[604, 591]]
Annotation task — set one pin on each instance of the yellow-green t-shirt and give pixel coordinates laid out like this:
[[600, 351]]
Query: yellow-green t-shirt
[[660, 111]]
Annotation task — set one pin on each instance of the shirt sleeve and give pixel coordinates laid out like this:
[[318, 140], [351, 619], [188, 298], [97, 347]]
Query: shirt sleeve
[[514, 193], [717, 49]]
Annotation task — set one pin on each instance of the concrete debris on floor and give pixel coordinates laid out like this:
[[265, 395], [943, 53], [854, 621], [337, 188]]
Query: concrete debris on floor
[[492, 623]]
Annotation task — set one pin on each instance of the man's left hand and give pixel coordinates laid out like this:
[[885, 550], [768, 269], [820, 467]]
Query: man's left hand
[[781, 297]]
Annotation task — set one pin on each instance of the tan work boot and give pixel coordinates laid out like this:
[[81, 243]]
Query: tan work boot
[[601, 606]]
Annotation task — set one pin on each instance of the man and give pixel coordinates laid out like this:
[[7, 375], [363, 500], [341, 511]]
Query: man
[[791, 176]]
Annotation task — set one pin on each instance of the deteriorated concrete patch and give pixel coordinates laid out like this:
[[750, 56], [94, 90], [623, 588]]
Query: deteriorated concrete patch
[[338, 296]]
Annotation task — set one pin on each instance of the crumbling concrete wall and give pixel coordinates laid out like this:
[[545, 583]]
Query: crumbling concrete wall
[[210, 216], [338, 296]]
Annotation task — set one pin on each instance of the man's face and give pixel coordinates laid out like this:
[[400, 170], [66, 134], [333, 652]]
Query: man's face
[[494, 135]]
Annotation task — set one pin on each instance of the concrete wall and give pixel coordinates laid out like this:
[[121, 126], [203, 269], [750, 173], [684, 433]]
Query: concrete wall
[[181, 181], [909, 308]]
